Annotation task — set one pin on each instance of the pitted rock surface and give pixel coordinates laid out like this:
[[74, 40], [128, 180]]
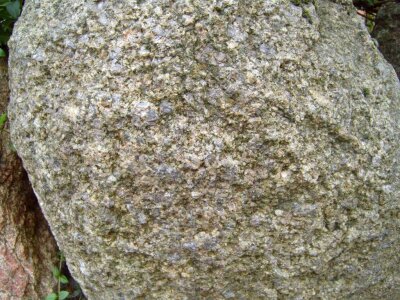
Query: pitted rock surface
[[211, 149]]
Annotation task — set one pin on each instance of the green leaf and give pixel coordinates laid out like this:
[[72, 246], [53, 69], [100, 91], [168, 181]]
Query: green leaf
[[61, 255], [2, 53], [14, 8], [56, 272], [52, 296], [63, 295], [3, 120], [63, 279]]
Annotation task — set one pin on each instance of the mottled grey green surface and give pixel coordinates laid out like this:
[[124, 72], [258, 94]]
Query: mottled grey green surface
[[211, 149]]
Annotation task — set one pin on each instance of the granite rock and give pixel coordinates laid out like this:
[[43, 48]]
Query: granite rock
[[27, 248], [202, 149]]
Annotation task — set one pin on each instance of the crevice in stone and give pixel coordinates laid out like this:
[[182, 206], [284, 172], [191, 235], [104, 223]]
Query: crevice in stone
[[28, 249]]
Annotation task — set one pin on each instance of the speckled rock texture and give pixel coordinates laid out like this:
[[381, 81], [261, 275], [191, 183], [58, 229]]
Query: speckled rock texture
[[387, 32], [211, 149], [27, 248]]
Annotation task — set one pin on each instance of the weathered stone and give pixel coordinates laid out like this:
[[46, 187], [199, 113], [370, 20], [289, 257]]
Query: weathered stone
[[387, 32], [211, 149], [27, 248]]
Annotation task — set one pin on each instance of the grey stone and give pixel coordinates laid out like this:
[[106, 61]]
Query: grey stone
[[275, 175]]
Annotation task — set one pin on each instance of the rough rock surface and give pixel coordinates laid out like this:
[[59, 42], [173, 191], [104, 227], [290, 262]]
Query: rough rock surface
[[27, 248], [387, 32], [206, 149]]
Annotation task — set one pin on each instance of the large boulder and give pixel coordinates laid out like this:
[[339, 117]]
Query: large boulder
[[27, 248], [211, 149], [387, 32]]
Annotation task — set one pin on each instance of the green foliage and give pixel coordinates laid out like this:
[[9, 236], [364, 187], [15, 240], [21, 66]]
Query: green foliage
[[52, 296], [61, 279], [3, 120], [66, 289], [56, 272], [14, 8], [9, 13], [63, 295], [60, 296]]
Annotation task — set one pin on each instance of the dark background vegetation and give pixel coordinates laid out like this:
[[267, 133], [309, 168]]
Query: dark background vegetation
[[9, 13]]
